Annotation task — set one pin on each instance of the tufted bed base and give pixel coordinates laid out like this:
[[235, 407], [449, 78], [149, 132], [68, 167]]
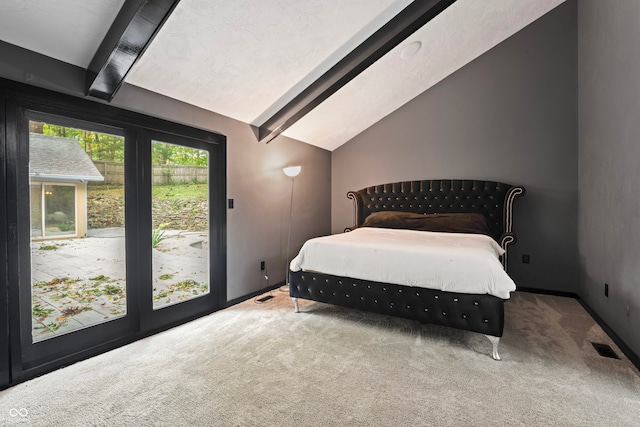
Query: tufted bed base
[[480, 313], [471, 312]]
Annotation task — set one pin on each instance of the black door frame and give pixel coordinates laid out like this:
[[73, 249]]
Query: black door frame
[[153, 319], [33, 355], [23, 102], [4, 237]]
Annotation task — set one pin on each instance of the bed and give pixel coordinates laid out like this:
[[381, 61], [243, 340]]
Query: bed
[[478, 211]]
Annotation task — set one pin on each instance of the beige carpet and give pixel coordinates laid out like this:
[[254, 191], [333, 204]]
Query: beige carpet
[[263, 365]]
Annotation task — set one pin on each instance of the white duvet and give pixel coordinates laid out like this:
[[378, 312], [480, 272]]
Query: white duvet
[[453, 262]]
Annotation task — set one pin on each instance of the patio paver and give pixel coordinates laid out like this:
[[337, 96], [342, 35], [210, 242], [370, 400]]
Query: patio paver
[[86, 277]]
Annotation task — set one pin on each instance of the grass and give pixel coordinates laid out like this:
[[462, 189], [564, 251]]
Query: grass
[[106, 190], [183, 205], [177, 192], [171, 192]]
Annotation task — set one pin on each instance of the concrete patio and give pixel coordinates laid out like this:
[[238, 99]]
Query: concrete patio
[[78, 283]]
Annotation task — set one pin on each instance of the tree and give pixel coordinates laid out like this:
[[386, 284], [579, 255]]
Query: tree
[[99, 146], [170, 154], [110, 148]]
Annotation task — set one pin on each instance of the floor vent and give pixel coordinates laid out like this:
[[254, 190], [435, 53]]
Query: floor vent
[[268, 297], [605, 350]]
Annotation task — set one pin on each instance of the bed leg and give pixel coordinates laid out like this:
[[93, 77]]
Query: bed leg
[[296, 309], [494, 342]]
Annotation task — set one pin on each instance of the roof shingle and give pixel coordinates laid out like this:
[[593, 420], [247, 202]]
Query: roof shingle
[[61, 159]]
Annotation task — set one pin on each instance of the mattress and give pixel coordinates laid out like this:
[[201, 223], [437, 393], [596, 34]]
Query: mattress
[[452, 262]]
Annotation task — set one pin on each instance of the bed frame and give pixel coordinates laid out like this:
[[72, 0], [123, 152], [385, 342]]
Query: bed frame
[[471, 312]]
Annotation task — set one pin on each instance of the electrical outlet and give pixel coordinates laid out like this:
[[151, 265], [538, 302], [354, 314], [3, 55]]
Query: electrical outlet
[[525, 258], [262, 265], [230, 203], [606, 290], [627, 309]]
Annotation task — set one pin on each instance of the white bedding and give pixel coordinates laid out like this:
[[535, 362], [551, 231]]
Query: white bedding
[[453, 262]]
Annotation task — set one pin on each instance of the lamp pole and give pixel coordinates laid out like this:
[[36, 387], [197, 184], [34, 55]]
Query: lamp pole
[[286, 266], [291, 172]]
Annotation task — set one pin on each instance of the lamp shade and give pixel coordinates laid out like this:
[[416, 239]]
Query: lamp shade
[[292, 171]]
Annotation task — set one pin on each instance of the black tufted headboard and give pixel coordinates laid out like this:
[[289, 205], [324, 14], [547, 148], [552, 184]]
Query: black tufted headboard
[[493, 199]]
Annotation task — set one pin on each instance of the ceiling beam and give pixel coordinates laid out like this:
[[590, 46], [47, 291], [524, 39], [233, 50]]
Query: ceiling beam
[[405, 23], [132, 31]]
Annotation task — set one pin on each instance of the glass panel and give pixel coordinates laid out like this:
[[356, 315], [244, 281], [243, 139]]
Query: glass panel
[[77, 222], [180, 212], [59, 210]]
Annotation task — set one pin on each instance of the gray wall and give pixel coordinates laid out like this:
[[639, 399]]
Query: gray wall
[[609, 160], [257, 226], [509, 116]]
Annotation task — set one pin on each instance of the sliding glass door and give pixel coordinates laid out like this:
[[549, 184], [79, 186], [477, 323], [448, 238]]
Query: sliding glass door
[[180, 223], [78, 233], [72, 242], [111, 232], [183, 262]]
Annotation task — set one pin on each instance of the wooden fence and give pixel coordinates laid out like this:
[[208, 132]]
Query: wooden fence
[[113, 173]]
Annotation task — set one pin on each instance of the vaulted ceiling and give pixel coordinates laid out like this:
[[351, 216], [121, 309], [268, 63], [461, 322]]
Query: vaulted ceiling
[[247, 59]]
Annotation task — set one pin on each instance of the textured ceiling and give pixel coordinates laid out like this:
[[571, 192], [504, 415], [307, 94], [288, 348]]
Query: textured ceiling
[[240, 57], [464, 31], [247, 58], [68, 30]]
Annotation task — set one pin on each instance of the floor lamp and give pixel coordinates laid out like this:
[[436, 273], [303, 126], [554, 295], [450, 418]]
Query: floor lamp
[[291, 172]]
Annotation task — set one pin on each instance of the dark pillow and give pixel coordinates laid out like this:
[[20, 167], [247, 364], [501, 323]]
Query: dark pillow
[[475, 223]]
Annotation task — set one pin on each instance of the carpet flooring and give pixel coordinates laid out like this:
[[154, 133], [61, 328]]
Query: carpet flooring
[[264, 365]]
